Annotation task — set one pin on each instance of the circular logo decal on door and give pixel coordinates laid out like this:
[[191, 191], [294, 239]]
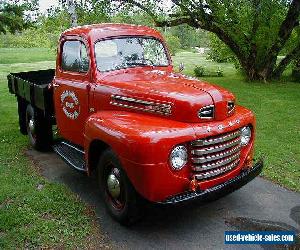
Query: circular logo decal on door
[[70, 104]]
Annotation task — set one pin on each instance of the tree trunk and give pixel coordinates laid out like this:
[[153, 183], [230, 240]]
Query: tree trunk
[[256, 72], [72, 12], [286, 61]]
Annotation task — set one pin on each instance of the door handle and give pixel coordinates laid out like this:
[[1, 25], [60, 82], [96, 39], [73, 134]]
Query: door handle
[[55, 85]]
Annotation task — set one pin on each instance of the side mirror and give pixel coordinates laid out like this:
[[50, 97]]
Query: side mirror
[[181, 67]]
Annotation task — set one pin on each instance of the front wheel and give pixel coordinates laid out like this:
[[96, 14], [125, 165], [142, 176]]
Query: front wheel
[[121, 200]]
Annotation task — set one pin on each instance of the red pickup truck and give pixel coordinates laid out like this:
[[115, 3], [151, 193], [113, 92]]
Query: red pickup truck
[[122, 112]]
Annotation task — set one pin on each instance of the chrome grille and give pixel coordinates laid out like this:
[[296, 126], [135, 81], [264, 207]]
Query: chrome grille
[[216, 155], [142, 105]]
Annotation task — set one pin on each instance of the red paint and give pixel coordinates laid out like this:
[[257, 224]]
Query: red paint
[[142, 140]]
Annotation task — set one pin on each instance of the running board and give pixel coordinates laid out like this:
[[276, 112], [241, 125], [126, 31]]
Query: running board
[[71, 154]]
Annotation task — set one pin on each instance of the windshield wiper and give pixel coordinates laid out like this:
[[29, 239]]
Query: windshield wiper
[[136, 63]]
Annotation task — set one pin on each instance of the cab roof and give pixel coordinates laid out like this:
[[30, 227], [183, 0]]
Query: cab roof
[[104, 30]]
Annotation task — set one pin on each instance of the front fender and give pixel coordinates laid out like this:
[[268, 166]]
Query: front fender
[[143, 144], [139, 138]]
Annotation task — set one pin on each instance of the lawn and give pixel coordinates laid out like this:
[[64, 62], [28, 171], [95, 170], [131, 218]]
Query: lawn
[[34, 213], [277, 109], [26, 55]]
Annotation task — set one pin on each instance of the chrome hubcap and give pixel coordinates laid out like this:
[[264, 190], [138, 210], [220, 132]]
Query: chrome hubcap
[[113, 184], [31, 126]]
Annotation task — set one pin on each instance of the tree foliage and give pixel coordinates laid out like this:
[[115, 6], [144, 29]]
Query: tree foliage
[[256, 31], [48, 27], [173, 44], [296, 70], [90, 11], [13, 17], [219, 52], [188, 36]]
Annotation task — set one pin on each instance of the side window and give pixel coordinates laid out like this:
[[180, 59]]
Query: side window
[[84, 59], [74, 57]]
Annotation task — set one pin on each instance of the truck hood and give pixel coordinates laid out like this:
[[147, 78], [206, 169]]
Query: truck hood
[[185, 95]]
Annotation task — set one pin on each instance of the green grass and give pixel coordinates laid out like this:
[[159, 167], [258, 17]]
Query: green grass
[[277, 109], [26, 55], [34, 213]]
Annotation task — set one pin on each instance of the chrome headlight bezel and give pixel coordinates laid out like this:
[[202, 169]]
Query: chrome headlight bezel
[[178, 157], [246, 135]]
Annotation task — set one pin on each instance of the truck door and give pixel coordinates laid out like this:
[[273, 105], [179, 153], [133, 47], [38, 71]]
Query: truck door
[[71, 89]]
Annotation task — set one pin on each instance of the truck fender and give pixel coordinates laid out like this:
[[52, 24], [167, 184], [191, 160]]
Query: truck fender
[[133, 136], [140, 139]]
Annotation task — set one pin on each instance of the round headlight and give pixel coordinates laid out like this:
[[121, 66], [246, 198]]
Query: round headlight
[[245, 135], [178, 157]]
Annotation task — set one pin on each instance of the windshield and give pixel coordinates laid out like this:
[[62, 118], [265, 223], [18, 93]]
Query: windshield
[[128, 52]]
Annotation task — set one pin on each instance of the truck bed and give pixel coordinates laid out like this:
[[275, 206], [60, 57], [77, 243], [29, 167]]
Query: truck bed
[[33, 87]]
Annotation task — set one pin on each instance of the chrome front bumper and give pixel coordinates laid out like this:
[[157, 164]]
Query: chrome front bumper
[[220, 190]]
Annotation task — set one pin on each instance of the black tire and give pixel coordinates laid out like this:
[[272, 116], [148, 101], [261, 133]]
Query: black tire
[[126, 208], [22, 105], [39, 130]]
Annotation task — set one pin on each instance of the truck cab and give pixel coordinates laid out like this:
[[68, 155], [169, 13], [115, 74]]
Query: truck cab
[[122, 112]]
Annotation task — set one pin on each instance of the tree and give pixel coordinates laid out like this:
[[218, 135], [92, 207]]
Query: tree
[[219, 52], [188, 36], [296, 61], [254, 30], [296, 70], [12, 15], [87, 11], [173, 44], [72, 12]]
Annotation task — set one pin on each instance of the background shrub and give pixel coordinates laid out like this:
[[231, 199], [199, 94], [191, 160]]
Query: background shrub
[[296, 70], [199, 71]]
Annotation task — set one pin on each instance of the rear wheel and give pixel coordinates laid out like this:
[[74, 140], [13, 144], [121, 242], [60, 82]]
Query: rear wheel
[[121, 200], [38, 128], [22, 105]]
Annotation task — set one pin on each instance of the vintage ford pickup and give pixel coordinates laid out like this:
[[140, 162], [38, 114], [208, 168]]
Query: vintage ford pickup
[[122, 112]]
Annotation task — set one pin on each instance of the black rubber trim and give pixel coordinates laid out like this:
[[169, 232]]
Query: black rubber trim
[[221, 189]]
